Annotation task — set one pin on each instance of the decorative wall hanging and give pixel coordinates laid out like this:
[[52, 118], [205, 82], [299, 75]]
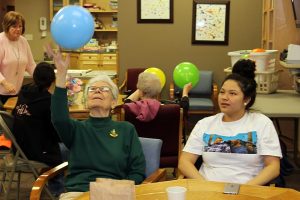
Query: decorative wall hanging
[[210, 22], [155, 11]]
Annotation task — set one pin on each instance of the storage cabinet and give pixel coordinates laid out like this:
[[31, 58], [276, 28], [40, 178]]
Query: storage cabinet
[[97, 61], [105, 14], [268, 23], [278, 31], [55, 5]]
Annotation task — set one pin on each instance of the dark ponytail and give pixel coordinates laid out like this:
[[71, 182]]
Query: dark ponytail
[[43, 75], [243, 72]]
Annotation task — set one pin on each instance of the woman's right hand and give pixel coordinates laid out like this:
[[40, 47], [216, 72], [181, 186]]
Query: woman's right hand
[[10, 88], [60, 63], [61, 66]]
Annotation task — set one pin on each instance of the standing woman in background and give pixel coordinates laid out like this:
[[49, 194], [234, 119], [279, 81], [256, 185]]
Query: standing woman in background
[[15, 55]]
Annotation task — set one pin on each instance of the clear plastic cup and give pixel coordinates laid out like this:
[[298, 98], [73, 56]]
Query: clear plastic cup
[[176, 193]]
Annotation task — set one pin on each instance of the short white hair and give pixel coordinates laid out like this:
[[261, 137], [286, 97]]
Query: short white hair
[[106, 79], [149, 84]]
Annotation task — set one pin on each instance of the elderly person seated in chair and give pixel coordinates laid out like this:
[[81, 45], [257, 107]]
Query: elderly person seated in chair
[[99, 147], [144, 102], [252, 154]]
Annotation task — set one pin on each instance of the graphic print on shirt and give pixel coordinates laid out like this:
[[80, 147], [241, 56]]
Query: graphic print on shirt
[[244, 143], [22, 109]]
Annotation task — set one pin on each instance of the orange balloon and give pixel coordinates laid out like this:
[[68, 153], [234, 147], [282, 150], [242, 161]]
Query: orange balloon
[[258, 50]]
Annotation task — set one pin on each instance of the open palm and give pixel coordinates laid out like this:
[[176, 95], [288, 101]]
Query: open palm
[[61, 64]]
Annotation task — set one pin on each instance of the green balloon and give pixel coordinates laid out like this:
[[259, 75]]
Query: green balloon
[[245, 56], [184, 73]]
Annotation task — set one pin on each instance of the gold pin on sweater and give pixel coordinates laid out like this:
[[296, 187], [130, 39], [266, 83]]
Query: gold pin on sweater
[[113, 133]]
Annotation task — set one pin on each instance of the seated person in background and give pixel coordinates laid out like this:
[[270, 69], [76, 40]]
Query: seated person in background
[[99, 147], [236, 122], [32, 125], [144, 101], [33, 128]]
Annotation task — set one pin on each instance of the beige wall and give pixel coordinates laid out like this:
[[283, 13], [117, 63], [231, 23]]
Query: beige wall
[[163, 45], [166, 45], [32, 11]]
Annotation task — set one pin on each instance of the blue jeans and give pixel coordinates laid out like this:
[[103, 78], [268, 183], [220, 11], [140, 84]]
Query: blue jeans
[[56, 184], [64, 152]]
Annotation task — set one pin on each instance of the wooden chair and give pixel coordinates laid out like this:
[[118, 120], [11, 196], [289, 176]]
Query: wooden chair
[[167, 126], [203, 97], [151, 148], [131, 77]]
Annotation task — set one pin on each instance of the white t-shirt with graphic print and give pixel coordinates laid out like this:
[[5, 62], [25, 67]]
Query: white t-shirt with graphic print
[[233, 151]]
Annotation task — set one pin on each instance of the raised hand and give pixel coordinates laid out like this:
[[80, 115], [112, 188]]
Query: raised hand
[[186, 89], [61, 65]]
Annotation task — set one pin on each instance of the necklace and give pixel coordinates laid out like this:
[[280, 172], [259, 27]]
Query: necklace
[[17, 54]]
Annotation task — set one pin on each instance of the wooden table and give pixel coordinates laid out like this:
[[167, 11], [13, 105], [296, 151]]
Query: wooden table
[[282, 104], [209, 190], [77, 111]]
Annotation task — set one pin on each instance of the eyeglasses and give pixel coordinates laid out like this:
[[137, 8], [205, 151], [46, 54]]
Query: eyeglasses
[[104, 89], [17, 26]]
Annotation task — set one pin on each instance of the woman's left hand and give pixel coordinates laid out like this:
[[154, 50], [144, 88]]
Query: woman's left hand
[[186, 89], [270, 171], [9, 87]]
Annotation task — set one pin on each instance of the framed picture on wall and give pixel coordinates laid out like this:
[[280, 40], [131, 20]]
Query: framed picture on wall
[[155, 11], [210, 23]]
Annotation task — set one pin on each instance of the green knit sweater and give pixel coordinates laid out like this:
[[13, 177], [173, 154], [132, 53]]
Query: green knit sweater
[[99, 147]]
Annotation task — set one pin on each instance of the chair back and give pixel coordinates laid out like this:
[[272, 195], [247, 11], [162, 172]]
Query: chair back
[[202, 97], [151, 149], [132, 78], [167, 126], [204, 85]]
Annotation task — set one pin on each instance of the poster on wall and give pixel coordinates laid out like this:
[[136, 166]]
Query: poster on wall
[[210, 22], [155, 11]]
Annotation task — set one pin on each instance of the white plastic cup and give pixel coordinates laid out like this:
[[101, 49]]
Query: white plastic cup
[[176, 193]]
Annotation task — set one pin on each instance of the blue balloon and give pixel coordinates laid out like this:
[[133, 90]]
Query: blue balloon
[[72, 27]]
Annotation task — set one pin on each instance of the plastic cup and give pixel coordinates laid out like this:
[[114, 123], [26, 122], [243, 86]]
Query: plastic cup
[[176, 193]]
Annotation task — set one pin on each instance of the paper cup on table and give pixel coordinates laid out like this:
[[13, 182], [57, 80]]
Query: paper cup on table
[[176, 193]]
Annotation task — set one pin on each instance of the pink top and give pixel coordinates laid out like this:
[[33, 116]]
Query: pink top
[[145, 110], [15, 58]]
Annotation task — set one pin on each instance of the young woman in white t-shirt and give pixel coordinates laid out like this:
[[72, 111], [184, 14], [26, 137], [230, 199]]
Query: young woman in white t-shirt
[[236, 145]]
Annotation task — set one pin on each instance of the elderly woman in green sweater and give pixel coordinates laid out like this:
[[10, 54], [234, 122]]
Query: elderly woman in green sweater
[[99, 147]]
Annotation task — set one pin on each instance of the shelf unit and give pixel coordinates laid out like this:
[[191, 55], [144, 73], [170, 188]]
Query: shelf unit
[[107, 32], [278, 31], [56, 5], [268, 24]]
